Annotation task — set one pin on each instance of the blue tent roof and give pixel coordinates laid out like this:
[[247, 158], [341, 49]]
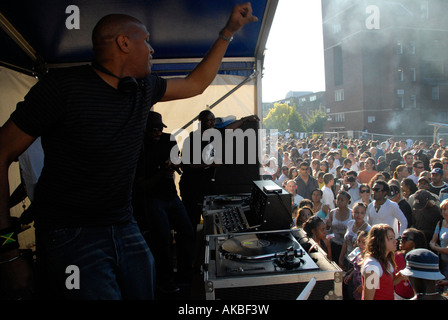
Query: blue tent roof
[[180, 29]]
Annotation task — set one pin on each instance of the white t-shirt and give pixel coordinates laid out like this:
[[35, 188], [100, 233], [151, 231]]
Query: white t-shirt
[[328, 197], [389, 213]]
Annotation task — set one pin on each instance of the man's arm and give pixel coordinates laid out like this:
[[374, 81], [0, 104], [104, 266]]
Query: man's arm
[[204, 73], [238, 123]]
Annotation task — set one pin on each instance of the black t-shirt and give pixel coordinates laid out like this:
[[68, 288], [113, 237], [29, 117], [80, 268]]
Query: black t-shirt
[[91, 136], [152, 179]]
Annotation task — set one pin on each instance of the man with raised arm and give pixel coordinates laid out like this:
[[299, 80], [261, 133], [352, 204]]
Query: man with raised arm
[[91, 120]]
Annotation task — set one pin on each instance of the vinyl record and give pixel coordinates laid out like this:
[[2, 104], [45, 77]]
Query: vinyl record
[[255, 246]]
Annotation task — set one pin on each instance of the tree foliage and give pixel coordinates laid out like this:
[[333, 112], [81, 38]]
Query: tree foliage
[[282, 117]]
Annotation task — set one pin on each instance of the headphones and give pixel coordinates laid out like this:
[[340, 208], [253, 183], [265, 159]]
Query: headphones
[[126, 85]]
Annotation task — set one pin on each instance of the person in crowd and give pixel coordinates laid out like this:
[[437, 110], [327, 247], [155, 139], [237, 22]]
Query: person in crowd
[[316, 229], [315, 167], [158, 209], [292, 174], [426, 213], [327, 192], [291, 187], [396, 196], [410, 240], [422, 270], [378, 267], [338, 220], [439, 241], [305, 182], [351, 185], [86, 182], [384, 211], [369, 171], [401, 172], [319, 209], [353, 277], [284, 175], [417, 168], [408, 188], [437, 182], [365, 194], [355, 225], [303, 214]]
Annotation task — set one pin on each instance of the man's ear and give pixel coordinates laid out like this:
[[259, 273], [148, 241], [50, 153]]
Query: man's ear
[[123, 43]]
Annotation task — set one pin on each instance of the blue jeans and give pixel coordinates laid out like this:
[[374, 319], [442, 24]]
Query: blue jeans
[[114, 262]]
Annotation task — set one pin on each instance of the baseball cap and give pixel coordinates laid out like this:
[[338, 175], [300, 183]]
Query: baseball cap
[[421, 198], [423, 264], [437, 171]]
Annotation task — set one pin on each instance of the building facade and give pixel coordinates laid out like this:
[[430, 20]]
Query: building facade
[[386, 65]]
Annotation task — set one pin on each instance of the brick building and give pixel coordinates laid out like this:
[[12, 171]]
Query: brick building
[[386, 65]]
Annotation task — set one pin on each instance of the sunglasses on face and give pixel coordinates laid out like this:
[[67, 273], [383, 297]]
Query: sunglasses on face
[[377, 189], [364, 191], [406, 238]]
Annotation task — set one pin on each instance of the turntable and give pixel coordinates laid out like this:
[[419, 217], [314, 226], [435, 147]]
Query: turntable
[[261, 253]]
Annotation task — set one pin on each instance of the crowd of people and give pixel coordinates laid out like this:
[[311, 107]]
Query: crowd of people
[[369, 205]]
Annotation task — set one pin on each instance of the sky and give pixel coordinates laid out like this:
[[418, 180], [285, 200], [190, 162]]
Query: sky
[[294, 59]]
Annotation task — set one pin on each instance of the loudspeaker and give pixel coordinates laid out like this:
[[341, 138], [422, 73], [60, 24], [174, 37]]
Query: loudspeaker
[[126, 85], [242, 166]]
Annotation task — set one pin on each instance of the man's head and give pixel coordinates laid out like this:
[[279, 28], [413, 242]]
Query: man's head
[[380, 190], [291, 187], [207, 120], [154, 126], [304, 169], [436, 176], [122, 42], [418, 167]]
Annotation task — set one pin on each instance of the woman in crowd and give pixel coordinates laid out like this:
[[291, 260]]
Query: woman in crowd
[[353, 227], [408, 187], [319, 209], [410, 240], [366, 194], [401, 172], [292, 174], [303, 214], [439, 241], [378, 267], [316, 229], [338, 220]]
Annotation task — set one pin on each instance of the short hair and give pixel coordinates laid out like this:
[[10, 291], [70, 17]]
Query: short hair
[[328, 177], [384, 184]]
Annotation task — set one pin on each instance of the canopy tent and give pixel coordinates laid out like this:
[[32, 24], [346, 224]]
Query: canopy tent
[[437, 126], [38, 35]]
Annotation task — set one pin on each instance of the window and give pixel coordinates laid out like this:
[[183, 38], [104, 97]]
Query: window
[[400, 99], [424, 9], [413, 102], [400, 74], [313, 98], [371, 119], [339, 117], [339, 95], [412, 47], [435, 93], [399, 47], [413, 74]]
